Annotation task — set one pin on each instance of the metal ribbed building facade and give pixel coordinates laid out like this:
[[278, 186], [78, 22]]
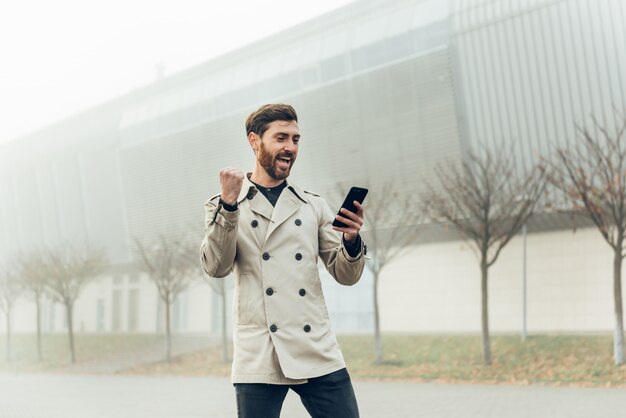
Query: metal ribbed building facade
[[529, 72]]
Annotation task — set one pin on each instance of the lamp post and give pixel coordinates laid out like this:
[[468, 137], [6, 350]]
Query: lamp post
[[524, 286], [524, 198]]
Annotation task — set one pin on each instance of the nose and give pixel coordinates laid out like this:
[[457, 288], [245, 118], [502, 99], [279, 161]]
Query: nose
[[290, 146]]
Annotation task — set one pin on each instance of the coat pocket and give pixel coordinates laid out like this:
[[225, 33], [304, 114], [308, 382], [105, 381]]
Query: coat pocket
[[241, 301], [250, 310]]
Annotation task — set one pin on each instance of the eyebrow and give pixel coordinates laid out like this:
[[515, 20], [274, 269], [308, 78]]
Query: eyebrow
[[286, 133]]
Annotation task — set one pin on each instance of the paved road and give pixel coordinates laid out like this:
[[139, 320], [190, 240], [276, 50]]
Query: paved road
[[97, 396]]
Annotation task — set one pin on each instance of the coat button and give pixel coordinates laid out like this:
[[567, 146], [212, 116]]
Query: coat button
[[250, 195], [273, 328], [269, 291], [298, 256], [254, 223], [307, 328], [302, 292], [298, 222], [266, 256]]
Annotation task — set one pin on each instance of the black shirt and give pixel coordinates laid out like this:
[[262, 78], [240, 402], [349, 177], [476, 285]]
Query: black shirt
[[271, 193]]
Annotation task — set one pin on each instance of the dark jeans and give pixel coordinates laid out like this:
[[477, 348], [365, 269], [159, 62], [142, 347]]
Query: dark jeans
[[329, 396]]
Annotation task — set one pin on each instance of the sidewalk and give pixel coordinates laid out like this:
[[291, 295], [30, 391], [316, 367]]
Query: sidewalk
[[99, 396], [155, 352]]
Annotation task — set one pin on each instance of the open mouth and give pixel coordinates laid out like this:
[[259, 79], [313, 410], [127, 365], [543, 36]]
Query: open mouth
[[283, 162]]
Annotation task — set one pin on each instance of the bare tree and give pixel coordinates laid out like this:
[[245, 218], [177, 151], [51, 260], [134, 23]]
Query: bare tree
[[390, 227], [34, 276], [166, 260], [69, 270], [592, 175], [219, 286], [488, 201], [10, 290]]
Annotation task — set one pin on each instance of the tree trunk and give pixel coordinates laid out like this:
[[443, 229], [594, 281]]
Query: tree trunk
[[38, 303], [70, 328], [484, 301], [377, 340], [618, 333], [224, 333], [8, 317], [168, 332]]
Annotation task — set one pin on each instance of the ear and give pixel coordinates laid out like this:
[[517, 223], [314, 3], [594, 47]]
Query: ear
[[255, 141]]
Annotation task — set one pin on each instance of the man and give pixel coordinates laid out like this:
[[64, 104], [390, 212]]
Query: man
[[271, 233]]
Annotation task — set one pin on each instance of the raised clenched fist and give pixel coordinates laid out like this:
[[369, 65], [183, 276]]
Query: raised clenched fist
[[231, 181]]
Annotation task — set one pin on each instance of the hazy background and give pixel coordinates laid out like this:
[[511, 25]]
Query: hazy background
[[123, 113], [64, 56]]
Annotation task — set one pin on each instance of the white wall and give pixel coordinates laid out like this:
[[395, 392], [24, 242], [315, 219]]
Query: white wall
[[196, 306], [436, 288]]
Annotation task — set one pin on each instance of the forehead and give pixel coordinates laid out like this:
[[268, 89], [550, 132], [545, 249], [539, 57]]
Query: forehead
[[290, 127]]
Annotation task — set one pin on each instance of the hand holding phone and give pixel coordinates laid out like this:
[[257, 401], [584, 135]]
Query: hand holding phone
[[355, 193]]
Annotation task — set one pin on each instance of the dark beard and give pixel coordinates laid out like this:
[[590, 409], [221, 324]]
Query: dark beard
[[268, 162]]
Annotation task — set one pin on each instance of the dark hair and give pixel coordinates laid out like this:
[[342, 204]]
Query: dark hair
[[259, 120]]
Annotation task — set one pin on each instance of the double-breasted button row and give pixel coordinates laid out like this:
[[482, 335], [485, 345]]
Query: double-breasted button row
[[255, 223], [266, 256], [306, 328], [269, 292]]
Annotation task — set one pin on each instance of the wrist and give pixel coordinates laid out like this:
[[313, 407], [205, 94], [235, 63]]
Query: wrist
[[231, 201], [352, 248], [228, 207], [351, 239]]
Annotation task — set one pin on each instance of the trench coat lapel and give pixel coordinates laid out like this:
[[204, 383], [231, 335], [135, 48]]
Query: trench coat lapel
[[288, 203], [261, 206], [258, 204], [248, 190]]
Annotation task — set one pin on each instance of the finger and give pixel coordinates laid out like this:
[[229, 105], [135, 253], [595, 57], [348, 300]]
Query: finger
[[354, 216], [225, 172], [360, 208], [345, 220], [351, 224], [348, 231]]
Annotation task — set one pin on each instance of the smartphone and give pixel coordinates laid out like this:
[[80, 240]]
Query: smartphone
[[355, 193]]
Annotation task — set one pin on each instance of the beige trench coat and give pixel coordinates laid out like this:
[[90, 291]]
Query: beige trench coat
[[282, 332]]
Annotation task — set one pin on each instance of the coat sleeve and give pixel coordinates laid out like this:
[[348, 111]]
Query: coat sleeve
[[345, 269], [219, 245]]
